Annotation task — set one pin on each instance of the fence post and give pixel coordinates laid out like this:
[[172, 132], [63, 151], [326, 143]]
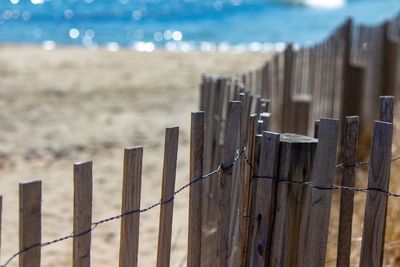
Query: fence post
[[352, 95], [372, 246], [30, 232], [246, 188], [301, 105], [236, 213], [167, 194], [347, 197], [265, 199], [217, 118], [320, 207], [212, 155], [132, 181], [287, 110], [255, 160], [386, 106], [225, 180], [82, 213], [390, 67], [203, 92], [296, 155], [195, 193], [265, 81]]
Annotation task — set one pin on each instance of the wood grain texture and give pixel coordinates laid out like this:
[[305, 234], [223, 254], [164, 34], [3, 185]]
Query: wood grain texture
[[30, 224], [266, 80], [324, 168], [347, 90], [225, 180], [236, 213], [246, 188], [195, 193], [167, 192], [207, 159], [296, 155], [386, 106], [210, 214], [346, 196], [389, 57], [265, 199], [353, 101], [372, 246], [217, 119], [132, 181], [255, 162], [83, 183], [301, 115], [287, 110]]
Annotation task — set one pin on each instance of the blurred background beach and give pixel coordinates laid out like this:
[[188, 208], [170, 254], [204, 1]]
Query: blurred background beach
[[82, 79]]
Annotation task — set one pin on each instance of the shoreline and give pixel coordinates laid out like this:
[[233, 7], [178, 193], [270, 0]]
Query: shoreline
[[175, 47]]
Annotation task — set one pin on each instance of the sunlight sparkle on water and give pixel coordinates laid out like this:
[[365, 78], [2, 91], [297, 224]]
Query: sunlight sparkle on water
[[112, 47], [49, 45], [74, 33], [37, 2], [325, 3], [177, 36], [144, 46]]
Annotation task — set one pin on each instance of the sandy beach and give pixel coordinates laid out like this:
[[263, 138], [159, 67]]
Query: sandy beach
[[73, 104]]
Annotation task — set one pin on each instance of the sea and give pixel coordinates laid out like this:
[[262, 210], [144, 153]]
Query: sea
[[182, 25]]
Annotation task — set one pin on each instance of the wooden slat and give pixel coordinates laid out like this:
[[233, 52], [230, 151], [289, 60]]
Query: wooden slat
[[208, 149], [217, 117], [209, 244], [292, 201], [132, 181], [225, 180], [195, 201], [257, 107], [352, 100], [83, 182], [372, 246], [390, 64], [316, 128], [247, 181], [287, 109], [30, 224], [255, 162], [386, 106], [167, 193], [236, 207], [301, 105], [265, 199], [347, 196], [324, 168], [265, 81]]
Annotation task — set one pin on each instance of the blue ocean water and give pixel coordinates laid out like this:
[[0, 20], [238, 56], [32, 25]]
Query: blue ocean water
[[183, 24]]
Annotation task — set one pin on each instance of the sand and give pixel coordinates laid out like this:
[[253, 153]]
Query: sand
[[73, 104]]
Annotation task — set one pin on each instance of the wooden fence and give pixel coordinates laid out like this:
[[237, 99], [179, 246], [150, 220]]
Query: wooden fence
[[257, 197], [342, 75], [265, 203]]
